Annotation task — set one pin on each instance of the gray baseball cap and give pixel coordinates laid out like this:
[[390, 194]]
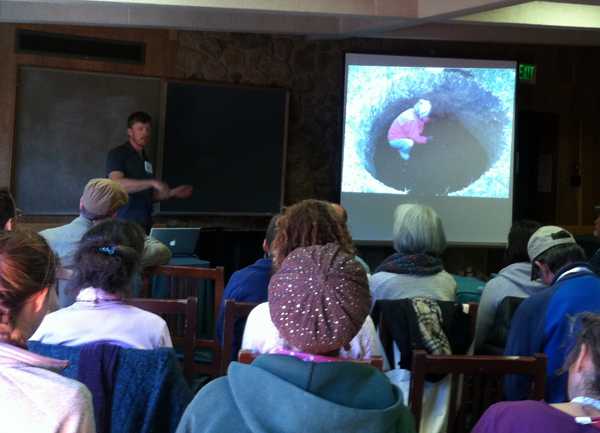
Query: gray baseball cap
[[545, 238]]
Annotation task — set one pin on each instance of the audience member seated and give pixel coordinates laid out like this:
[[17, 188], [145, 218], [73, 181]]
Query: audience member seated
[[310, 222], [580, 415], [101, 199], [8, 210], [416, 269], [104, 264], [319, 299], [542, 321], [249, 284], [34, 397], [513, 280]]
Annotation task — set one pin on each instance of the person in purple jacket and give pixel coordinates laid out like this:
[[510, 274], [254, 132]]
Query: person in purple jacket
[[580, 415], [542, 322]]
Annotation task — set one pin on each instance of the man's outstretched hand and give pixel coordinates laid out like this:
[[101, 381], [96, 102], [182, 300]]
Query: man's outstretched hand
[[182, 191]]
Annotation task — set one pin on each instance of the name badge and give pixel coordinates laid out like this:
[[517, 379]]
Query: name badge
[[148, 167]]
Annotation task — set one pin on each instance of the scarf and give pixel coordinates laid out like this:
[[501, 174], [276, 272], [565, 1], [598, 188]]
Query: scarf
[[412, 264], [430, 320]]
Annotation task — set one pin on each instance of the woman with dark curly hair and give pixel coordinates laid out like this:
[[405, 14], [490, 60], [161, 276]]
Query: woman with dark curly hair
[[307, 223], [107, 258]]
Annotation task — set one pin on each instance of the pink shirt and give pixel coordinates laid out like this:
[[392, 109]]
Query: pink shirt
[[408, 129]]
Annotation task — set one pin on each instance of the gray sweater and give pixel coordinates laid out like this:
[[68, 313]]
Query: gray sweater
[[386, 285], [36, 399], [513, 280]]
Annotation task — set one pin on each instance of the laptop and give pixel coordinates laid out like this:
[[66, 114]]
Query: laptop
[[180, 240]]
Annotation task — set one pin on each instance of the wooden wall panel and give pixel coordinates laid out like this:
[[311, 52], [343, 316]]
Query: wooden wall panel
[[7, 101]]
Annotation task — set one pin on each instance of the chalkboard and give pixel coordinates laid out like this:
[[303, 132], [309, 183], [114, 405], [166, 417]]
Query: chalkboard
[[229, 143], [66, 123]]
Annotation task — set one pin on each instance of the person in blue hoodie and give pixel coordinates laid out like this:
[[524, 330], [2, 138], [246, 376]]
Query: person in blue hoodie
[[513, 280], [249, 284], [319, 299], [543, 322]]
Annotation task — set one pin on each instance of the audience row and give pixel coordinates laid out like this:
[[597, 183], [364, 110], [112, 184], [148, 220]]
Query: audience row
[[312, 321]]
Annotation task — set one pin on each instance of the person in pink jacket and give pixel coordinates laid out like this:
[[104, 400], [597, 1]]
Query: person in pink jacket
[[407, 128]]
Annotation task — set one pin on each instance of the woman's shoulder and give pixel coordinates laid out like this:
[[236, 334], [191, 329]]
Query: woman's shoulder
[[528, 415], [42, 381], [136, 313]]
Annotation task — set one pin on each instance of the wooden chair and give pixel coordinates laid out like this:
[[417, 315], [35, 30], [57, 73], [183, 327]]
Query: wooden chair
[[184, 281], [475, 395], [234, 311], [248, 356], [167, 309]]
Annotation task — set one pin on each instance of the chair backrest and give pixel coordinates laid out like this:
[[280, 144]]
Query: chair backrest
[[184, 308], [481, 385], [63, 299], [247, 356], [184, 281], [234, 313], [502, 321]]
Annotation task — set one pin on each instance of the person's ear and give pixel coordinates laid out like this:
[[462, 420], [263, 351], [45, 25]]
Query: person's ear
[[9, 225], [265, 247], [546, 275], [582, 359], [38, 300]]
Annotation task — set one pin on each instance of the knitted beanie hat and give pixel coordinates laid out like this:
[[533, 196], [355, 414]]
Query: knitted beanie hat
[[319, 298]]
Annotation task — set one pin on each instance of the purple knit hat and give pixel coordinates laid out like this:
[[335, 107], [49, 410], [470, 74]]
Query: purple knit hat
[[319, 298]]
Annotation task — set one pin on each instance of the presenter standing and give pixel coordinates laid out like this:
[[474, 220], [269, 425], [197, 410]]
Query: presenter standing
[[129, 165]]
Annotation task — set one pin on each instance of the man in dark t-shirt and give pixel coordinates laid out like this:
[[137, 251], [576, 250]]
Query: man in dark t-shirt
[[129, 165]]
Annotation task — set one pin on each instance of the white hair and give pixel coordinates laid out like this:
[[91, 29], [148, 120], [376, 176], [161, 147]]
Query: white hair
[[418, 229], [422, 108]]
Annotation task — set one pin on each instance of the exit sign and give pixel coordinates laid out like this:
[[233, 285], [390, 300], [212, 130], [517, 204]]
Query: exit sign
[[527, 73]]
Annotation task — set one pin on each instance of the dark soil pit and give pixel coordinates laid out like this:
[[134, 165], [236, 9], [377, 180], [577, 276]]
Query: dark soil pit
[[436, 167]]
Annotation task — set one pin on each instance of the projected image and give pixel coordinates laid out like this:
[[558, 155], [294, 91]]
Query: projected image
[[428, 131]]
